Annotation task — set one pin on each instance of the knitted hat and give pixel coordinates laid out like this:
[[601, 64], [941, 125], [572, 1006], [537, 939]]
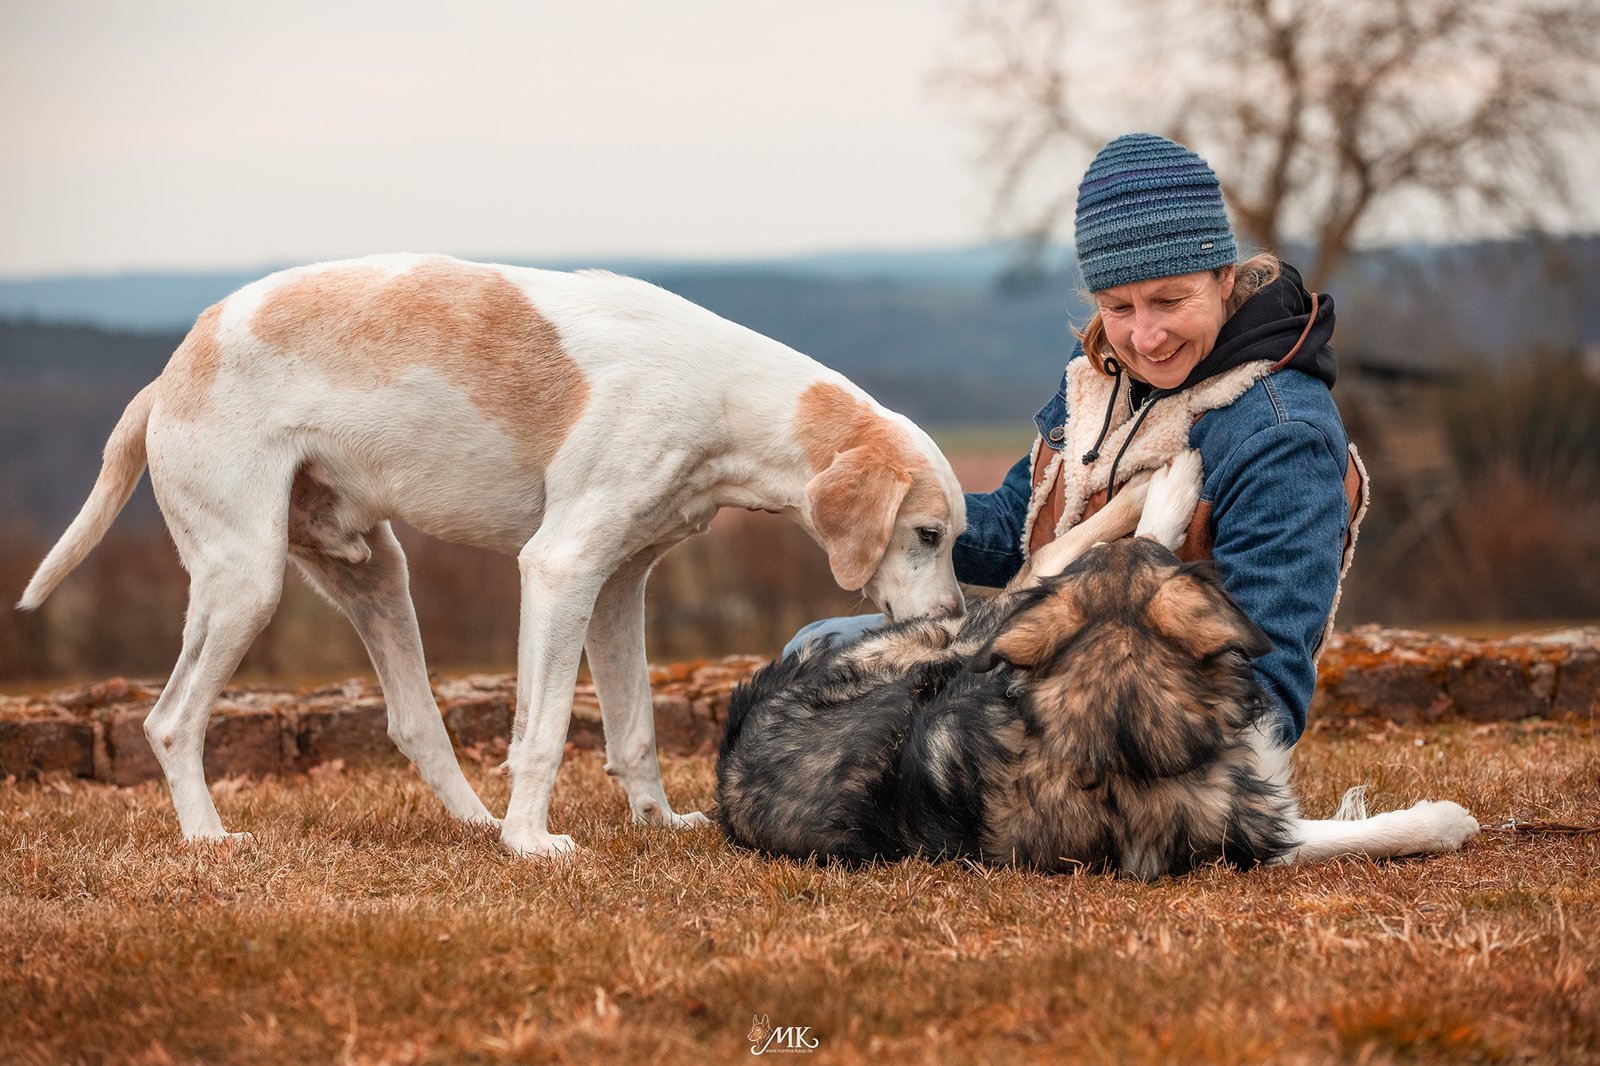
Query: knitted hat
[[1149, 208]]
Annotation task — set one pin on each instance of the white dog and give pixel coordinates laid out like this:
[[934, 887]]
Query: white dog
[[584, 423]]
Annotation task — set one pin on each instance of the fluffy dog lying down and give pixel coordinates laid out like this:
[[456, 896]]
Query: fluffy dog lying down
[[1101, 714]]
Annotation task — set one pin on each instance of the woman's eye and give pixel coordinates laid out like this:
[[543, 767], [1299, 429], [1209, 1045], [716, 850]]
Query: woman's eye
[[928, 536]]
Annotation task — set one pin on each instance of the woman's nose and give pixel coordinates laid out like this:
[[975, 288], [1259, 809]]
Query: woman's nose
[[1148, 333]]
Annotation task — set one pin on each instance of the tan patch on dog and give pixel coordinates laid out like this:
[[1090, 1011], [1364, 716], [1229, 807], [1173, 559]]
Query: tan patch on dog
[[365, 328], [192, 370], [828, 421]]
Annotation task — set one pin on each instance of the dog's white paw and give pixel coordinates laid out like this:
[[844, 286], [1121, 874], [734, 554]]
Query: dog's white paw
[[528, 844], [1448, 824], [217, 839], [692, 820], [653, 812]]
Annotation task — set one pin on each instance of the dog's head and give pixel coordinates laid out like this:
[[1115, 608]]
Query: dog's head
[[1137, 662], [887, 509]]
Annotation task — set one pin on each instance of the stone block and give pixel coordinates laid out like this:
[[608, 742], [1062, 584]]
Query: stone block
[[1577, 693], [244, 744], [683, 728], [1405, 689], [32, 747], [131, 759], [358, 734], [479, 721], [1492, 688], [238, 743]]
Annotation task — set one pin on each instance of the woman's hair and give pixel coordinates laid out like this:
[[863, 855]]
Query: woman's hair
[[1253, 275]]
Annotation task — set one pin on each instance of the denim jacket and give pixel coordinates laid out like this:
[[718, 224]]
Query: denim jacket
[[1275, 462]]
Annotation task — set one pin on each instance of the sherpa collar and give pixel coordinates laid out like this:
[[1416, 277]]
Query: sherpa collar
[[1161, 435]]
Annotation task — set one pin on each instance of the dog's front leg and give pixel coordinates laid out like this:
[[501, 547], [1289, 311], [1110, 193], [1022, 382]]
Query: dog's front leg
[[622, 680], [559, 586]]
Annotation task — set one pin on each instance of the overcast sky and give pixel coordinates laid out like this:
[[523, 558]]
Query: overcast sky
[[153, 133]]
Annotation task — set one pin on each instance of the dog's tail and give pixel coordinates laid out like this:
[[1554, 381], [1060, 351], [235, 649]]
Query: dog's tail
[[119, 473]]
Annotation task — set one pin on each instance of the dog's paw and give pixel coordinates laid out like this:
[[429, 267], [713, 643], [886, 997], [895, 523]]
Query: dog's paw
[[222, 839], [692, 820], [533, 845], [652, 812], [1449, 825]]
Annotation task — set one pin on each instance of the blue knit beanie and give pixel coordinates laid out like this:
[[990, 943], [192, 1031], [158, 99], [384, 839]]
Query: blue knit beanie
[[1149, 208]]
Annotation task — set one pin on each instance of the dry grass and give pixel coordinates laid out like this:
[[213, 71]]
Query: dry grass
[[362, 925]]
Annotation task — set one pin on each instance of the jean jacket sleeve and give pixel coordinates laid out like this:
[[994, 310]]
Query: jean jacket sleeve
[[1279, 513], [989, 553]]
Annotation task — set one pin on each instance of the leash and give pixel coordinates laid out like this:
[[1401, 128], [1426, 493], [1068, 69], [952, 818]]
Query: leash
[[1513, 825]]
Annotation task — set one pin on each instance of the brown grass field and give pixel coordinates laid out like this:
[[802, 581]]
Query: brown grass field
[[362, 925]]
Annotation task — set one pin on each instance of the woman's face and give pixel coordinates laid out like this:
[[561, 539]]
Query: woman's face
[[1161, 328]]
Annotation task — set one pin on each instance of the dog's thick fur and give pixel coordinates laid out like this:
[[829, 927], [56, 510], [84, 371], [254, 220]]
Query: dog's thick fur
[[584, 423], [1105, 717]]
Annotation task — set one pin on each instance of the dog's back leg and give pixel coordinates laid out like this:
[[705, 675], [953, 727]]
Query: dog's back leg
[[230, 535], [622, 679], [1426, 827], [375, 596]]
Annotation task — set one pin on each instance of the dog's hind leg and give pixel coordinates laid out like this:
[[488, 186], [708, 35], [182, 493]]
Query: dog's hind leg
[[234, 555], [375, 596], [622, 679], [1423, 828]]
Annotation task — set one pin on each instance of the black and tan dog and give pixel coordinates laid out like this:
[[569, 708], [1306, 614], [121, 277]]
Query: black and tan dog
[[1104, 716]]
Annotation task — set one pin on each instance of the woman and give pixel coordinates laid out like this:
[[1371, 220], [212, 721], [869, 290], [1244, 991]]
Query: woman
[[1188, 348]]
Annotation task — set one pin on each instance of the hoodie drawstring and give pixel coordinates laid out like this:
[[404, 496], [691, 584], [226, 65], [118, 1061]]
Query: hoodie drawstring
[[1111, 405], [1150, 401]]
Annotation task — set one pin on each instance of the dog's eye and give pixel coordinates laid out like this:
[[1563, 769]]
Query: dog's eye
[[929, 536]]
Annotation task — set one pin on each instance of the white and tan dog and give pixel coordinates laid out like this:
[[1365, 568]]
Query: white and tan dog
[[584, 423]]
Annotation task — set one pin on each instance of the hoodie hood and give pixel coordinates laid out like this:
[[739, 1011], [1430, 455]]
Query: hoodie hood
[[1268, 325]]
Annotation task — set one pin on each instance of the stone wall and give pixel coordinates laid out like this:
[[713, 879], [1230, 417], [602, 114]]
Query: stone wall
[[95, 731]]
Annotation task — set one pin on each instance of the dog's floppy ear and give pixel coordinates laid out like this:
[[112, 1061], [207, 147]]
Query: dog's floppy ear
[[1192, 609], [1030, 635], [854, 502]]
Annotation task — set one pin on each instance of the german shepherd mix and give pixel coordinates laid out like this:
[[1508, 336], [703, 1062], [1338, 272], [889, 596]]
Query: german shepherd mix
[[1099, 713]]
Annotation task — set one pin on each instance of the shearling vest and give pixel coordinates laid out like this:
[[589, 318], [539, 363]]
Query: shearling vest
[[1066, 490]]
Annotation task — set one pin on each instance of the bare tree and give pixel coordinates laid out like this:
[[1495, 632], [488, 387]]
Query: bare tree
[[1328, 121]]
